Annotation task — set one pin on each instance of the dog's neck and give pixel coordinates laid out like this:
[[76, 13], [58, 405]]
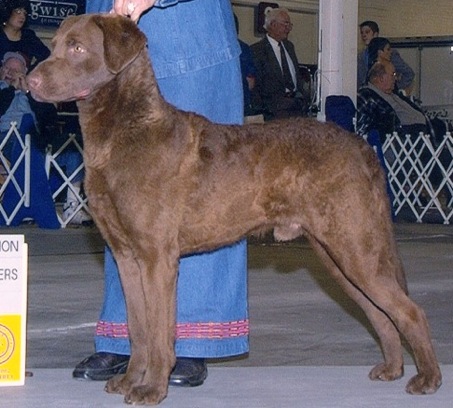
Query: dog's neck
[[131, 91]]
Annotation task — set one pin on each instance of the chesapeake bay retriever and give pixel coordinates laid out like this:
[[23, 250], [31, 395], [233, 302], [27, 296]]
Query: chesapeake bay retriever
[[162, 183]]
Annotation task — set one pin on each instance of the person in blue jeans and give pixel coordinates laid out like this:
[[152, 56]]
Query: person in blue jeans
[[195, 55]]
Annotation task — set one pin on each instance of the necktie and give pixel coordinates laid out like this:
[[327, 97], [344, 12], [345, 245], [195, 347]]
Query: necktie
[[287, 78]]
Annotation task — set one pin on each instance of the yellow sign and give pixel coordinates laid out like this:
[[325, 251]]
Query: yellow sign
[[13, 308]]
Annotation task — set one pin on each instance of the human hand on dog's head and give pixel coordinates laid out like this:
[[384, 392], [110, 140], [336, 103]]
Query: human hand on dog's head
[[132, 8]]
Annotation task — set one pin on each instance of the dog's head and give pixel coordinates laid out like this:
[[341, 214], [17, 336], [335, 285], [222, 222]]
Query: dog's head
[[87, 52]]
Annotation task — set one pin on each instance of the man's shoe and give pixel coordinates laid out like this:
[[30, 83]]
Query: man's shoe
[[101, 366], [189, 372]]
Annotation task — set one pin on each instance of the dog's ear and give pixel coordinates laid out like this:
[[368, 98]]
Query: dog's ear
[[123, 41]]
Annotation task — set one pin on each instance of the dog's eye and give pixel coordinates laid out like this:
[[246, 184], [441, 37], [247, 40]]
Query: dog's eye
[[78, 48]]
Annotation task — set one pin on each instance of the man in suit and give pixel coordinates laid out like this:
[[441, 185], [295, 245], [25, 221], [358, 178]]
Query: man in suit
[[279, 85]]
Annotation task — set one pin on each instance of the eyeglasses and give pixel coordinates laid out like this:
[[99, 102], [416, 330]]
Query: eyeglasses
[[12, 71], [285, 23], [20, 11]]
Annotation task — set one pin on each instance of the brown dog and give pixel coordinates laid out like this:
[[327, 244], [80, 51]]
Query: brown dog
[[162, 183]]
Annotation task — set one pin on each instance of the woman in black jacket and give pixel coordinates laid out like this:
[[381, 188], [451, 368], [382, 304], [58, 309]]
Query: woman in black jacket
[[15, 37]]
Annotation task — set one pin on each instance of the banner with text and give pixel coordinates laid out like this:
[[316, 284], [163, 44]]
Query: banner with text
[[52, 13], [13, 308]]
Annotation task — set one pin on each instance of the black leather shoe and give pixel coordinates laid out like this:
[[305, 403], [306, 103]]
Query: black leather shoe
[[189, 372], [101, 366]]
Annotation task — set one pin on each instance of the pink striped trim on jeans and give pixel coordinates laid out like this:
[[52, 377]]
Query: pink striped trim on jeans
[[212, 330], [183, 330]]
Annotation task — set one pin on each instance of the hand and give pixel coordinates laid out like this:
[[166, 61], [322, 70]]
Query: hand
[[14, 78], [251, 80], [132, 8], [20, 83]]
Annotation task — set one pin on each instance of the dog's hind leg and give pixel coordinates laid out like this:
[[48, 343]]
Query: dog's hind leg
[[413, 325], [375, 273], [392, 367]]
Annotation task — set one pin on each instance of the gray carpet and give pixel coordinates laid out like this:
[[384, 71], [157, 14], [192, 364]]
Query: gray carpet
[[254, 387]]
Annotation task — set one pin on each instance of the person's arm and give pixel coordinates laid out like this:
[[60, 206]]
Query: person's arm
[[98, 6], [35, 48], [364, 115], [405, 73], [6, 97], [362, 69], [259, 64], [40, 50], [249, 66], [46, 118], [129, 8]]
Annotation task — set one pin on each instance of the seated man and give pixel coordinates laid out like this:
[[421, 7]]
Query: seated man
[[15, 102], [381, 109]]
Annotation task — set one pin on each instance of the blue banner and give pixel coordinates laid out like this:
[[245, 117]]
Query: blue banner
[[52, 13]]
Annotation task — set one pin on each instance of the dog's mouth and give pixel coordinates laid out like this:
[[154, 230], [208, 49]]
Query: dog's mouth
[[49, 92], [83, 94], [42, 97]]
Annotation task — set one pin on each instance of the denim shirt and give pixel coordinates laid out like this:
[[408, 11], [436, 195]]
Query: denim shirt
[[185, 36]]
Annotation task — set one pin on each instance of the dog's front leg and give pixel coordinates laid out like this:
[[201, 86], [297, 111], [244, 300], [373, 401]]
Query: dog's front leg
[[149, 284]]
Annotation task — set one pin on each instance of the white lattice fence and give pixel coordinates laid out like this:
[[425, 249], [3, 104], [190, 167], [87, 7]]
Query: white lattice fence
[[15, 190], [421, 176], [9, 173], [53, 162]]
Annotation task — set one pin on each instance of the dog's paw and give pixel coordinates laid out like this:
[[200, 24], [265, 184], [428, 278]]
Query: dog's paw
[[136, 394], [424, 384], [386, 372], [145, 395], [118, 385]]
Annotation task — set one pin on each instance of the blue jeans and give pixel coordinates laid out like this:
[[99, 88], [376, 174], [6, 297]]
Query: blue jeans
[[212, 315], [211, 306]]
